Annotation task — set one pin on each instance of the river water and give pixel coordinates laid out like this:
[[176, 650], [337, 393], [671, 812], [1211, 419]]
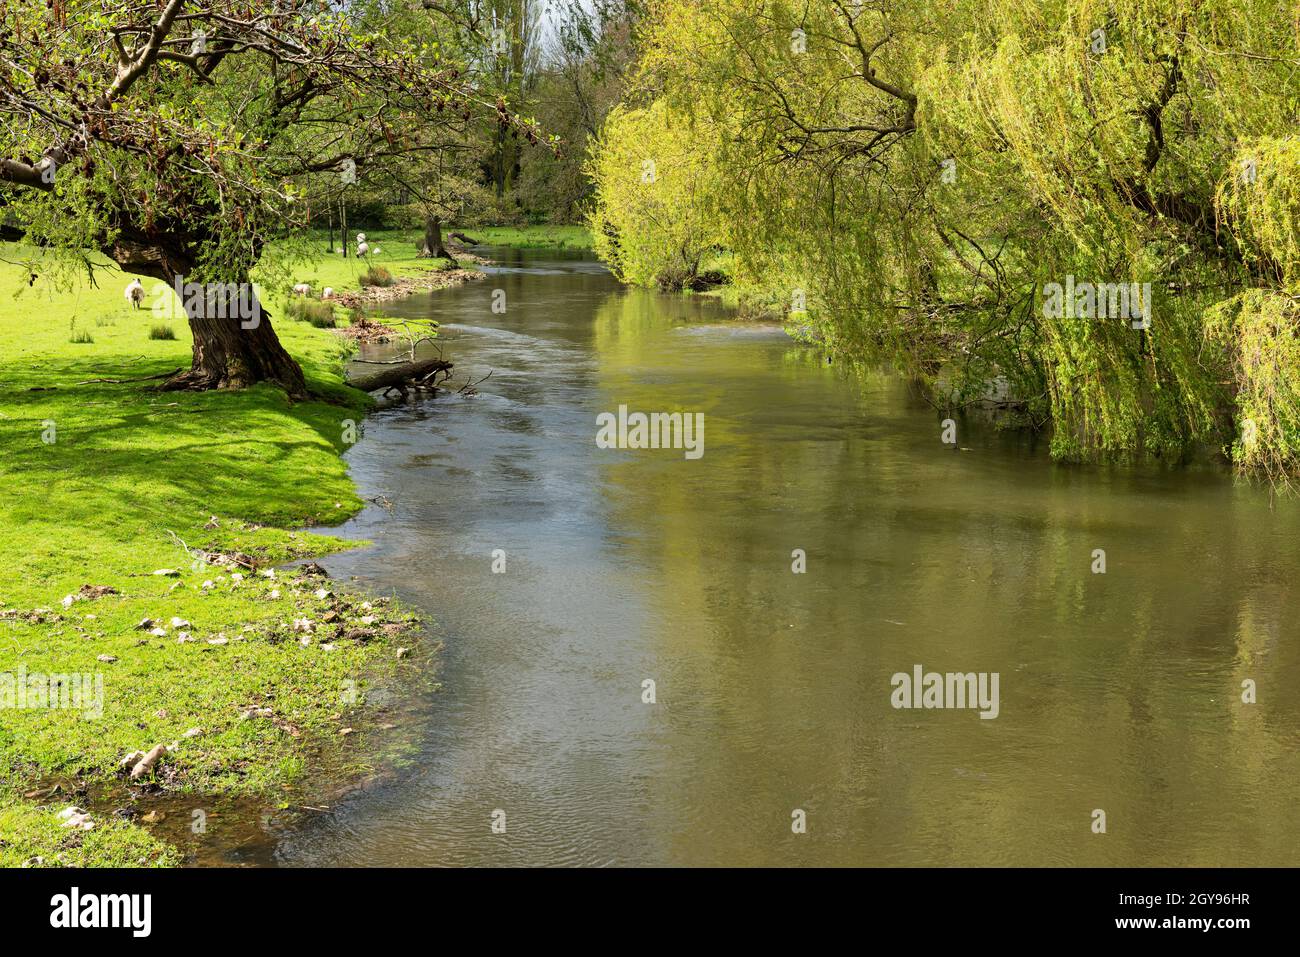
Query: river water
[[1119, 692]]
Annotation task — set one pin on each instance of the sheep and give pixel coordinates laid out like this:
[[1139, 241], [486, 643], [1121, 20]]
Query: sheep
[[135, 293], [361, 238], [302, 289], [327, 292], [362, 249], [376, 251]]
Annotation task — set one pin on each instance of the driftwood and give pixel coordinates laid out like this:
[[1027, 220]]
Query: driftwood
[[146, 763], [421, 374], [461, 237]]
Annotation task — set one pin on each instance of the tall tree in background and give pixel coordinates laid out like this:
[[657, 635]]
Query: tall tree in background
[[513, 50], [582, 77]]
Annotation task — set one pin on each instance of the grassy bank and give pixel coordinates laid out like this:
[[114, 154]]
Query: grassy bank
[[394, 250], [108, 484], [398, 248], [532, 237]]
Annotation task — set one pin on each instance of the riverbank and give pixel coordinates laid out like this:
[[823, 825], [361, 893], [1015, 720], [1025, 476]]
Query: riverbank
[[395, 252], [140, 537], [532, 237]]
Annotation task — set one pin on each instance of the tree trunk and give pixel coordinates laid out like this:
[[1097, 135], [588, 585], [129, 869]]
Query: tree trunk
[[421, 372], [433, 247], [235, 344], [235, 348]]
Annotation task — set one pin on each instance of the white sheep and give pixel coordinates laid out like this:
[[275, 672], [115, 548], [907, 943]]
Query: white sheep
[[362, 249], [361, 237], [135, 293], [376, 251], [327, 292], [302, 289]]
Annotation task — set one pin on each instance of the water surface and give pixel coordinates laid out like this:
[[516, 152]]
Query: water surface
[[1118, 691]]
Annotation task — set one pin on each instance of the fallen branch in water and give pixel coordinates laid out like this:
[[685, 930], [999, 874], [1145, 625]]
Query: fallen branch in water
[[470, 388], [419, 375], [410, 354]]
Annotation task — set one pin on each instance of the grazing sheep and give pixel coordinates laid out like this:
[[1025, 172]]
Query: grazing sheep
[[362, 249], [302, 289], [361, 237], [327, 292], [135, 293], [376, 251]]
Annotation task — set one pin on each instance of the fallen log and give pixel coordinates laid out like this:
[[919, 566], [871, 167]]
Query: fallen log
[[461, 237], [421, 374]]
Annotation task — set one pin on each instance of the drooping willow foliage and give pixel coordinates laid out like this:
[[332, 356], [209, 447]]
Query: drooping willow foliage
[[907, 180]]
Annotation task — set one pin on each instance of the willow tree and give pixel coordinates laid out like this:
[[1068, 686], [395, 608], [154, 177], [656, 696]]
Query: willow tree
[[652, 171], [921, 175], [170, 136]]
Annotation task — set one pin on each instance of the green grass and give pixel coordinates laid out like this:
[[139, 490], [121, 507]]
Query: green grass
[[376, 276], [32, 836], [531, 237], [320, 313], [397, 255], [399, 248], [102, 482]]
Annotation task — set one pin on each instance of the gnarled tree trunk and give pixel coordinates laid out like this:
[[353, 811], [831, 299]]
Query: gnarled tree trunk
[[235, 345], [433, 247], [231, 352]]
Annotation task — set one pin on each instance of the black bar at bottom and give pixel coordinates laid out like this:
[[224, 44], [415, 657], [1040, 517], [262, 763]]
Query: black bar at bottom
[[337, 907]]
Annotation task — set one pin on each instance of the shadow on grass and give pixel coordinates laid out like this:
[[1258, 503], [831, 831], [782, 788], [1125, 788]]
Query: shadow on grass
[[86, 461]]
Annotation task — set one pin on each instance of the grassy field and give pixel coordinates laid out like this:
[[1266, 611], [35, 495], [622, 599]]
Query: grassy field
[[396, 252], [532, 237], [107, 484], [398, 248]]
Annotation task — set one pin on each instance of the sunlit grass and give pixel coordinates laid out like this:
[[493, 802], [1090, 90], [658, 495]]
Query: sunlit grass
[[103, 482]]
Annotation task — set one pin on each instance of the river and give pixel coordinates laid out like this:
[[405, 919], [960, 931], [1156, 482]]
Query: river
[[1118, 691]]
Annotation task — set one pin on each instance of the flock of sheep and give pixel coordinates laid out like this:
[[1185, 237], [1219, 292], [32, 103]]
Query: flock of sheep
[[135, 289], [363, 252]]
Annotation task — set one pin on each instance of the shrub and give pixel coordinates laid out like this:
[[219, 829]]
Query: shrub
[[161, 331], [376, 276], [320, 314], [81, 337]]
